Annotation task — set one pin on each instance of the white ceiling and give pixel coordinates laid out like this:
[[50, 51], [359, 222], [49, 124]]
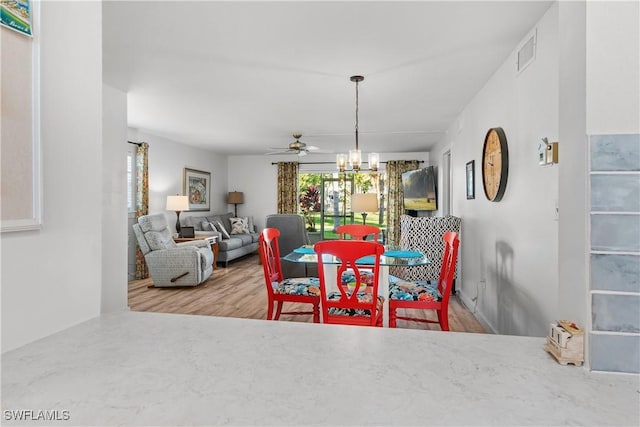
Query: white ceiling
[[240, 77]]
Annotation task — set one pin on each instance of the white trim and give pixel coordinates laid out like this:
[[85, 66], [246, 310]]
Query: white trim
[[615, 253], [624, 293], [614, 173], [622, 334]]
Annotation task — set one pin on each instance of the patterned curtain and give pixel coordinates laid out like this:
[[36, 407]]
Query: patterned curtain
[[287, 187], [395, 208], [142, 201]]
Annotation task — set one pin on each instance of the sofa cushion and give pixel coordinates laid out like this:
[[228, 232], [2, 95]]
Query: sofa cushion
[[246, 239], [230, 244], [208, 226], [239, 225], [195, 222], [255, 237]]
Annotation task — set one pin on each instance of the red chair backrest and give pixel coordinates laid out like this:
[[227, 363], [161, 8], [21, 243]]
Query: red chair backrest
[[270, 256], [348, 252], [448, 269], [358, 231]]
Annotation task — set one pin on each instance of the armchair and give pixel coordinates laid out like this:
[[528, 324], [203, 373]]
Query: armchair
[[170, 263]]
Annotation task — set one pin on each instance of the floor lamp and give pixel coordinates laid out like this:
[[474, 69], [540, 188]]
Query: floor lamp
[[364, 203]]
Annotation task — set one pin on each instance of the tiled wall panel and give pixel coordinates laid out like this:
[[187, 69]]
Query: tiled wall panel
[[615, 193], [615, 233], [614, 272], [615, 252], [615, 152], [616, 313], [617, 353]]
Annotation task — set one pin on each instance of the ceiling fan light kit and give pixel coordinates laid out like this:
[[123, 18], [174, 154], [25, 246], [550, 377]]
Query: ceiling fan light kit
[[355, 156]]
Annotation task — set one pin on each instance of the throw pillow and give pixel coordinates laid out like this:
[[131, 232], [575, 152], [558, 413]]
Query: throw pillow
[[239, 225], [225, 233], [208, 226]]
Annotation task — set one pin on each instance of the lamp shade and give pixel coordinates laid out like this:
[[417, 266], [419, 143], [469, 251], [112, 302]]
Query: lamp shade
[[364, 202], [177, 203], [235, 198]]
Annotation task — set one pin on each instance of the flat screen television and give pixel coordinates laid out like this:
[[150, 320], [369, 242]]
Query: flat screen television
[[419, 187]]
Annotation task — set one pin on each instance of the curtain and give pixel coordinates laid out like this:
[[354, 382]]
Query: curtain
[[395, 207], [142, 201], [287, 187]]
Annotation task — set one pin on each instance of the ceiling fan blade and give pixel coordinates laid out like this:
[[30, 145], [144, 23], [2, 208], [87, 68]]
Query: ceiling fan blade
[[312, 148]]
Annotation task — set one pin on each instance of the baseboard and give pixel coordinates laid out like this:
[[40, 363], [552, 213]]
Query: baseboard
[[469, 304]]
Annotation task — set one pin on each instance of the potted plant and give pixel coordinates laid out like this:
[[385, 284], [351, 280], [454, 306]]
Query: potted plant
[[310, 203]]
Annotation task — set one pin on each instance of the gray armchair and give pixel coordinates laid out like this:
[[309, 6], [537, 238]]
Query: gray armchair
[[171, 263], [293, 234]]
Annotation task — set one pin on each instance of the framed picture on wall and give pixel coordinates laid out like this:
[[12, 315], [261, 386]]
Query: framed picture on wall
[[197, 186], [471, 184]]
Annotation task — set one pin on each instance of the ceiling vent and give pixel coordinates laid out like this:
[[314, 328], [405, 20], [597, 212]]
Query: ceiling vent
[[527, 51]]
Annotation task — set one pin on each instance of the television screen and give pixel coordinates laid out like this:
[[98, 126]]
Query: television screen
[[419, 187]]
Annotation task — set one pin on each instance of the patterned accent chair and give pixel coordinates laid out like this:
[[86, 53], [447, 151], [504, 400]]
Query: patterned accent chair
[[170, 263], [280, 290], [425, 234]]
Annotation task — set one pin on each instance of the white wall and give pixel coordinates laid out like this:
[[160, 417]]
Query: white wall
[[114, 200], [256, 177], [167, 160], [512, 244], [613, 80], [51, 278]]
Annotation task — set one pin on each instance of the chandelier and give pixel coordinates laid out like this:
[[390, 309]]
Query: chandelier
[[355, 156]]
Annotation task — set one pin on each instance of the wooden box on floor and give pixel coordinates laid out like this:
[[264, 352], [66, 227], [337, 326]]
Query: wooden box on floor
[[566, 343]]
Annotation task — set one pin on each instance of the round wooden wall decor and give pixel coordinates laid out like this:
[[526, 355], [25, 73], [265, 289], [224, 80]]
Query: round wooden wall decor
[[495, 164]]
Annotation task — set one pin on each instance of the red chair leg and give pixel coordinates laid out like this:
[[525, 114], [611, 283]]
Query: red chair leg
[[443, 318], [392, 316], [278, 310], [270, 309], [316, 313]]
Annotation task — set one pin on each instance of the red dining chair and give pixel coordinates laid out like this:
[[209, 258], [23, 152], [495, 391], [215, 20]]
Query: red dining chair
[[358, 231], [350, 305], [279, 290], [425, 294]]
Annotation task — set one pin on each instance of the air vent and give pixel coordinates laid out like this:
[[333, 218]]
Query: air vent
[[527, 51]]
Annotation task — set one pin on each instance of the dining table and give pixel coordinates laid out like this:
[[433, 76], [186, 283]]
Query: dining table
[[393, 256]]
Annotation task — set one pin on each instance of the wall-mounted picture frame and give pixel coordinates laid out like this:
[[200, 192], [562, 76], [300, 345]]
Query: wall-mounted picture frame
[[471, 184], [197, 186], [16, 15]]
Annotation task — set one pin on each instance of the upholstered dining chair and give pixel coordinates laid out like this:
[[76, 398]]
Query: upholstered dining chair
[[280, 290], [358, 231], [427, 294], [356, 303]]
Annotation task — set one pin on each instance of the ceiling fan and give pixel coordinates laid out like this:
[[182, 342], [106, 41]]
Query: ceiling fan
[[296, 147]]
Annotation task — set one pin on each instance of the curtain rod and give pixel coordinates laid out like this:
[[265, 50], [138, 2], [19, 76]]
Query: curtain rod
[[331, 163], [135, 143]]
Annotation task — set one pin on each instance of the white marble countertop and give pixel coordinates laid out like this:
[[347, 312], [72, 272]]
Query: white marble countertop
[[165, 369]]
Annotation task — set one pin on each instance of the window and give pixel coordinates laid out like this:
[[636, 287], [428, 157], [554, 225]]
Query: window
[[325, 200], [131, 180]]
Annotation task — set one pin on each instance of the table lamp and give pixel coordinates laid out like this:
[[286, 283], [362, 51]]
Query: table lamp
[[235, 198], [364, 203], [178, 204]]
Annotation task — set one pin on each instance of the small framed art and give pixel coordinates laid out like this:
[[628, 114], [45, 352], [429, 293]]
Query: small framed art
[[197, 186], [471, 184]]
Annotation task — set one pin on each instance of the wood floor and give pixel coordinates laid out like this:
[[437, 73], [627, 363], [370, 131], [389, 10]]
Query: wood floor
[[238, 291]]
